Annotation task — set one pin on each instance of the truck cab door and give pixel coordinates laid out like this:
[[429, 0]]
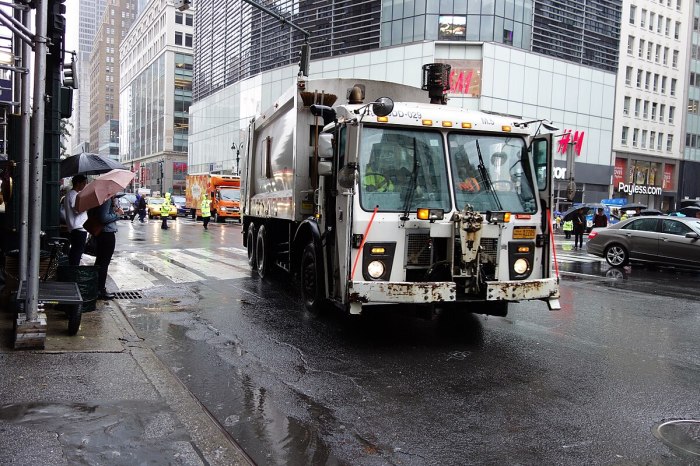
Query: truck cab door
[[542, 153]]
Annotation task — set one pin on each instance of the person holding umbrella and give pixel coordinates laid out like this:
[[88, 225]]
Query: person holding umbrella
[[75, 220], [98, 199], [579, 227]]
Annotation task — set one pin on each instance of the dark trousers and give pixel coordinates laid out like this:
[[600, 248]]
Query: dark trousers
[[77, 246], [164, 225], [578, 238], [105, 243], [206, 222], [142, 214]]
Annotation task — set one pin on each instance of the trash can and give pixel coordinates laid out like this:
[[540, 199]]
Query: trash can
[[86, 278]]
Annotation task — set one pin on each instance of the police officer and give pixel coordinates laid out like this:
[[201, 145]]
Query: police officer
[[206, 210], [165, 211]]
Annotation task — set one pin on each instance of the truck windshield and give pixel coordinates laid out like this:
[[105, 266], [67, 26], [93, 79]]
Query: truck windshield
[[230, 194], [491, 173], [402, 170]]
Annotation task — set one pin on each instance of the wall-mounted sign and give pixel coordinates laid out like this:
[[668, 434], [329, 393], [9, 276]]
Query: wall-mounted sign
[[465, 77], [452, 27], [619, 172], [559, 173], [639, 189], [667, 182], [570, 136]]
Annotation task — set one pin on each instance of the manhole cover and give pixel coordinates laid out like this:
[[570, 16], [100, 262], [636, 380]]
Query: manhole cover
[[682, 436], [128, 295]]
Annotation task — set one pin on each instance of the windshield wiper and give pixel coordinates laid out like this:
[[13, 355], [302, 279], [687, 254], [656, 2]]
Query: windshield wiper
[[486, 178], [412, 184]]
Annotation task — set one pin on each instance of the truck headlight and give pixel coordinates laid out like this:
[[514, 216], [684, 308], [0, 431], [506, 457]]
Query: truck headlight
[[520, 266], [375, 269]]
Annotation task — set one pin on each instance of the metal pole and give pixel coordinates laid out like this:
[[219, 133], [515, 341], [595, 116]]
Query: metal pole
[[24, 158], [37, 162]]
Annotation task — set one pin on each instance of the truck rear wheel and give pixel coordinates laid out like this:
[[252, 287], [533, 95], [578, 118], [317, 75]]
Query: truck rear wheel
[[310, 279], [262, 260], [250, 246]]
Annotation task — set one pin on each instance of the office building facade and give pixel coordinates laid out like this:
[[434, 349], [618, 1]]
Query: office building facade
[[155, 97]]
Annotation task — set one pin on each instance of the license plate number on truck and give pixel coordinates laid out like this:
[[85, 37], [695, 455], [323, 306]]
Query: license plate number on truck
[[524, 233]]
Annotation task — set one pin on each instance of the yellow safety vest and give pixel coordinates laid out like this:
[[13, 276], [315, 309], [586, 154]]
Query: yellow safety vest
[[206, 209], [165, 208]]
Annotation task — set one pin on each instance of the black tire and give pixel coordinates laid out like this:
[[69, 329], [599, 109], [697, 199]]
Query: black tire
[[311, 281], [616, 255], [74, 317], [250, 246], [262, 260]]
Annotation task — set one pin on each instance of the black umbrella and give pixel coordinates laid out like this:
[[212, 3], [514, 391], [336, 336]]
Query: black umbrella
[[651, 212], [690, 211], [632, 206], [586, 207], [88, 164]]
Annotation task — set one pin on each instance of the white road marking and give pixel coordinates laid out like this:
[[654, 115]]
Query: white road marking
[[129, 276], [210, 268], [161, 265]]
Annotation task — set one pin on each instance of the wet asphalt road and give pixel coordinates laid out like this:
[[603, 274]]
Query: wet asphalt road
[[585, 385]]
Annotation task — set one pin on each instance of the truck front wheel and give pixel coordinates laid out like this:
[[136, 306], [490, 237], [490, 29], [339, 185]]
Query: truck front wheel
[[250, 246], [261, 254], [311, 285]]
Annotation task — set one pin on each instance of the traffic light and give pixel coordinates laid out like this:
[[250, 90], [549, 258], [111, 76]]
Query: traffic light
[[70, 74], [56, 27]]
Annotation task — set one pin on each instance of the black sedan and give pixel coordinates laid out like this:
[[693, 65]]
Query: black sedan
[[662, 240]]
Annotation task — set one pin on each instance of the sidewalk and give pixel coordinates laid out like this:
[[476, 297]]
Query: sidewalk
[[100, 397]]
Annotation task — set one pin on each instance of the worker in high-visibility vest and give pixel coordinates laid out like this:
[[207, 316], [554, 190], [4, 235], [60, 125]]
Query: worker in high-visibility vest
[[165, 211], [206, 210], [568, 228]]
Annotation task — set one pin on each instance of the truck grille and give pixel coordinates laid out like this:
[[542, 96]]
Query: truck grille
[[489, 247], [418, 250]]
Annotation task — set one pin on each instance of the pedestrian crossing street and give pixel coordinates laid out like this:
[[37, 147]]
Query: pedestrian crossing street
[[146, 269]]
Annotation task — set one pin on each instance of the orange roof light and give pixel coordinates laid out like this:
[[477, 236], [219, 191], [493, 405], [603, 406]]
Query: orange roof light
[[427, 122], [447, 124], [383, 119], [467, 125]]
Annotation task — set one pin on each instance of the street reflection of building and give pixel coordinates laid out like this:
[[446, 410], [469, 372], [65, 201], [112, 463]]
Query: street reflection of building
[[155, 97]]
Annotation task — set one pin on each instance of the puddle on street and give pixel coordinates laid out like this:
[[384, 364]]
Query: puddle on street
[[116, 433], [244, 408]]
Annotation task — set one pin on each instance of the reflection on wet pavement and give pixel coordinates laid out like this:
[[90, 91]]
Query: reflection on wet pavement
[[121, 433]]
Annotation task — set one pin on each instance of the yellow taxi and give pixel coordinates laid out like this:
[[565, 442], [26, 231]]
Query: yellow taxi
[[153, 208]]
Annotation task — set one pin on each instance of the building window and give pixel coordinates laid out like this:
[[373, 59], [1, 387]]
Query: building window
[[663, 84], [188, 40], [671, 114], [677, 32], [640, 74], [668, 27], [656, 82], [665, 55], [660, 24], [640, 54], [654, 107], [635, 137], [647, 81], [652, 139], [646, 109], [673, 86], [643, 19], [628, 76], [453, 27], [650, 47], [637, 107], [630, 45], [662, 110], [178, 17], [188, 20], [178, 38], [644, 139], [659, 142], [626, 108], [657, 55], [674, 62], [678, 5], [625, 131], [633, 13], [669, 143], [652, 20], [507, 37]]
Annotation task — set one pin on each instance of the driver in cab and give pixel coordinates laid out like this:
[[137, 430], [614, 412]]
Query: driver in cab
[[374, 181]]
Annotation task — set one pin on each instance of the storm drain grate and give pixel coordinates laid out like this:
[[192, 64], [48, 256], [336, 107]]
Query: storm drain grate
[[682, 436], [128, 295]]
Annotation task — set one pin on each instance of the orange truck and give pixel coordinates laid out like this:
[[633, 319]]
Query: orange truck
[[223, 190]]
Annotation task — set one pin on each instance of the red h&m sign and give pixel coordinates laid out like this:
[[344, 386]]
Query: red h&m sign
[[465, 77], [568, 137]]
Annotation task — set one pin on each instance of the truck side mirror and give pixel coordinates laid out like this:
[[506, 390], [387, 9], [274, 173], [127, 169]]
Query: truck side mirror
[[325, 145]]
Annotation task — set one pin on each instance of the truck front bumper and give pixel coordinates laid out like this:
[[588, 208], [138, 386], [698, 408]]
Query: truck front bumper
[[365, 292]]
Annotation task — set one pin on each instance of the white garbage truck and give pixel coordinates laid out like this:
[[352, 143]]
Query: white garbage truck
[[392, 197]]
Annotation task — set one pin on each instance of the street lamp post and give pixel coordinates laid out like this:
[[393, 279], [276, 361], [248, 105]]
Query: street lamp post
[[237, 148]]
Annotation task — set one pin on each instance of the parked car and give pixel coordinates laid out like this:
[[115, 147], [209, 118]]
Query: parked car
[[179, 203], [657, 239], [127, 206], [153, 208]]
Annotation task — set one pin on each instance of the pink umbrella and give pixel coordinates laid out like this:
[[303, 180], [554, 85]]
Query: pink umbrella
[[102, 188]]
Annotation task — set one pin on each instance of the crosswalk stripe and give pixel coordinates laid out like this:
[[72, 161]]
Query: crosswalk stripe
[[128, 276], [210, 268], [169, 270]]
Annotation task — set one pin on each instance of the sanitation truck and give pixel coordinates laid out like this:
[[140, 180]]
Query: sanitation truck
[[223, 190], [389, 199]]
